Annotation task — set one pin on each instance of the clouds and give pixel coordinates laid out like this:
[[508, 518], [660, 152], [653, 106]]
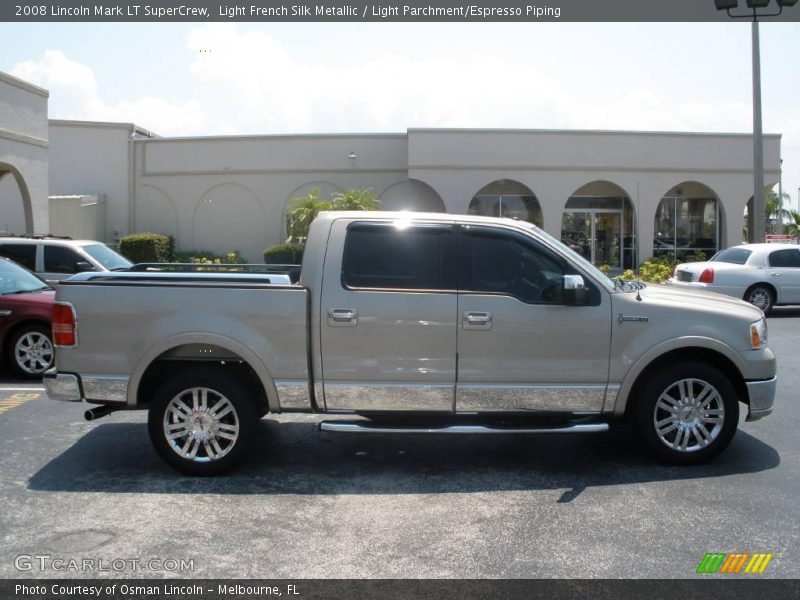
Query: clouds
[[75, 94]]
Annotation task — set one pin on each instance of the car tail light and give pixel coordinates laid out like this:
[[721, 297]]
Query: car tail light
[[65, 325], [707, 276]]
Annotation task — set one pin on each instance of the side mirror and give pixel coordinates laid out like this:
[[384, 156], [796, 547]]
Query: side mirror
[[574, 290], [84, 266]]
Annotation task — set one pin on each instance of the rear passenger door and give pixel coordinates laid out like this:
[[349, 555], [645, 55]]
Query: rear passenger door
[[388, 318], [784, 271]]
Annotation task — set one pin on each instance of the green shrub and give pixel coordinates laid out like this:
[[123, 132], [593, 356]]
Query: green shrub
[[284, 254], [206, 257], [147, 247], [656, 270]]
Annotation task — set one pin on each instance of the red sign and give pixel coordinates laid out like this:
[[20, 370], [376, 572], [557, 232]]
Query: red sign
[[779, 238]]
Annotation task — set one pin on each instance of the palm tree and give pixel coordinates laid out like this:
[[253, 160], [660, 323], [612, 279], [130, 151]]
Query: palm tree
[[302, 210], [775, 213], [355, 199], [793, 228]]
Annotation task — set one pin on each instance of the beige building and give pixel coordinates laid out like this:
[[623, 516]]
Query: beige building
[[23, 156], [610, 195]]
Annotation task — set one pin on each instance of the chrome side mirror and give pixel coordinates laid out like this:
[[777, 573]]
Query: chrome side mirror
[[574, 290]]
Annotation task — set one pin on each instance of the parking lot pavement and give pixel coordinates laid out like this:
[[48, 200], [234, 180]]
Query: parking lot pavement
[[317, 504]]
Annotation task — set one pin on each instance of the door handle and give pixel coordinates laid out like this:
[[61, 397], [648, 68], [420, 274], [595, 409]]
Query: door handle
[[342, 317], [776, 274], [477, 320]]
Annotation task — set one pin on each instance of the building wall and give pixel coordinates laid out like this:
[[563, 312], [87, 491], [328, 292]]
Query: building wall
[[94, 159], [23, 156], [231, 193]]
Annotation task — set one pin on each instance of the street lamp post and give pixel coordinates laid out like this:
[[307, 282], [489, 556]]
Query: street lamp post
[[758, 141]]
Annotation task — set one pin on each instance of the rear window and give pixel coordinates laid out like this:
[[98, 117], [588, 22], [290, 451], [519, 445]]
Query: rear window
[[736, 256], [383, 256], [23, 254], [785, 258]]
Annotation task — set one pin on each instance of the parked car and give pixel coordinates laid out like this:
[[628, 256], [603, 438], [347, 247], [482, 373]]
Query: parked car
[[55, 258], [765, 275], [26, 307], [416, 323]]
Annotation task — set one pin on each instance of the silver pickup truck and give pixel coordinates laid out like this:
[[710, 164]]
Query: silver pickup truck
[[412, 323]]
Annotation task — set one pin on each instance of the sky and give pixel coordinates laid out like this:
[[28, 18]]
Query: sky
[[188, 79]]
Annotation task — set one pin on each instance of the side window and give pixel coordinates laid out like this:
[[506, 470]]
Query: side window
[[383, 256], [58, 259], [509, 264], [785, 258], [23, 254]]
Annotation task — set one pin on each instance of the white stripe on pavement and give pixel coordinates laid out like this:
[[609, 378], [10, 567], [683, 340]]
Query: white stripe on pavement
[[21, 389]]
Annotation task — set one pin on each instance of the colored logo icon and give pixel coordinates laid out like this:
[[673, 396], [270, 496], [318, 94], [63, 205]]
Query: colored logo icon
[[735, 562]]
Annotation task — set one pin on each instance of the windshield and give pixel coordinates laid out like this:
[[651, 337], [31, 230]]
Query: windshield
[[577, 258], [16, 280], [107, 257], [737, 256]]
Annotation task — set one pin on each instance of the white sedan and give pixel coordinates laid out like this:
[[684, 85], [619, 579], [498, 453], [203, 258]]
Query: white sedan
[[764, 275]]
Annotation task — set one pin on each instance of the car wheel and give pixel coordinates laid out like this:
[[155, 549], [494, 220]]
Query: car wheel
[[761, 297], [30, 351], [687, 413], [201, 422]]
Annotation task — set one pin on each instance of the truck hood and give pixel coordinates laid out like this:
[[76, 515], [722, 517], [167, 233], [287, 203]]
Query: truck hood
[[698, 300]]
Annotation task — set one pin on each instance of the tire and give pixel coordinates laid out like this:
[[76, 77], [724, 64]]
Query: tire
[[681, 432], [761, 296], [210, 418], [30, 351]]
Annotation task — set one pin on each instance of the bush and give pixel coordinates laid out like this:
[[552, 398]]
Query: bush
[[206, 257], [656, 270], [147, 247], [284, 254]]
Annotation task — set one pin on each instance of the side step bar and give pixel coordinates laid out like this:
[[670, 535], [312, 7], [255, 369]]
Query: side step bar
[[367, 427]]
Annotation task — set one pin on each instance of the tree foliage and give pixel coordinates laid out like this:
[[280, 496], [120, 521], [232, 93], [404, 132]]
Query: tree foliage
[[304, 209]]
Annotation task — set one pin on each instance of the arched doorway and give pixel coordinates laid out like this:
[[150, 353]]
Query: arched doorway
[[507, 198], [15, 202], [688, 221], [599, 224]]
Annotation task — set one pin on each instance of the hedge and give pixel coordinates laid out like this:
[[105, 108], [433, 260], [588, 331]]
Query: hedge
[[207, 257], [147, 247], [284, 254]]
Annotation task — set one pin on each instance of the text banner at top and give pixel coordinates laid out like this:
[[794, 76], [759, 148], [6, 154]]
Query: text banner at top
[[473, 11]]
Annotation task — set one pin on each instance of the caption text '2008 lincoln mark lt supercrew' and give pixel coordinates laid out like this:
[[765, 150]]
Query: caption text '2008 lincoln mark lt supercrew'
[[412, 323]]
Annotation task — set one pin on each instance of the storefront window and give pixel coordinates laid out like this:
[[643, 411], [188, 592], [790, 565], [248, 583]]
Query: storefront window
[[600, 229], [686, 226], [524, 208]]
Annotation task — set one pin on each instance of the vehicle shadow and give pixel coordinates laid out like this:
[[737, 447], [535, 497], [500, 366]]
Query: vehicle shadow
[[784, 312], [295, 458]]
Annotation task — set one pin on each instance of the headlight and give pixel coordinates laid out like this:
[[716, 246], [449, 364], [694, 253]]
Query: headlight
[[758, 333]]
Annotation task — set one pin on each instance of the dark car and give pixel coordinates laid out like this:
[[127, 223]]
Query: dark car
[[26, 306]]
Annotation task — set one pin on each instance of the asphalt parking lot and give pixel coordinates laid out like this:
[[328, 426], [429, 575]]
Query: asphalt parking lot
[[324, 505]]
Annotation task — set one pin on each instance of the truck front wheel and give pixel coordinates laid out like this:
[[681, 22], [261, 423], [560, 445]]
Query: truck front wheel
[[201, 422], [687, 413]]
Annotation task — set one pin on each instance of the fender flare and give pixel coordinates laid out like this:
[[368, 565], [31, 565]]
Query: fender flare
[[229, 344], [646, 359]]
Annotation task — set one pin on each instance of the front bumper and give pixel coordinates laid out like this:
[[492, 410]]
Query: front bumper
[[762, 397], [62, 386]]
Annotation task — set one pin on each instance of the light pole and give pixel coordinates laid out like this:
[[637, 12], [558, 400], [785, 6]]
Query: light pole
[[758, 141]]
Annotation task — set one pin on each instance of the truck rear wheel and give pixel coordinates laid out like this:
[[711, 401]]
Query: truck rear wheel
[[201, 422], [687, 413]]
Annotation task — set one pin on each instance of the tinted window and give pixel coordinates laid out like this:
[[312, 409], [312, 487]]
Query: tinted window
[[737, 256], [58, 259], [513, 265], [24, 254], [785, 258], [388, 257]]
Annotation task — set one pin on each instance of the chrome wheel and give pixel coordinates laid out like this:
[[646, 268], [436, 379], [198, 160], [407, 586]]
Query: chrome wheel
[[201, 425], [760, 297], [33, 352], [689, 415]]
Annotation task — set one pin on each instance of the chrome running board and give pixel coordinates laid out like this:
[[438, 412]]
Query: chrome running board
[[368, 427]]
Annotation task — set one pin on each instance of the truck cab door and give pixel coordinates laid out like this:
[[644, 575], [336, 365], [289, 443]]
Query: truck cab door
[[388, 318], [522, 347]]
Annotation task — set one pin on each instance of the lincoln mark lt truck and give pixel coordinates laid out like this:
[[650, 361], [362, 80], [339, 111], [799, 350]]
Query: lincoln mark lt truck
[[412, 323]]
